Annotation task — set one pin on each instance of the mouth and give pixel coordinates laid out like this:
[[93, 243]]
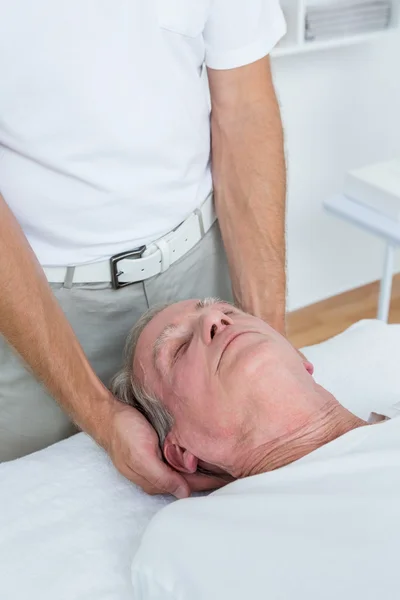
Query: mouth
[[229, 341]]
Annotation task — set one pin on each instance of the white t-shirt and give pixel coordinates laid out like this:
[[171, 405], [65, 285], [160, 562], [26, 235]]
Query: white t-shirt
[[325, 527], [104, 114]]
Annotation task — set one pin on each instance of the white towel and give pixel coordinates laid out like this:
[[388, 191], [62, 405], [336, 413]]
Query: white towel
[[345, 29], [326, 7], [321, 18], [69, 525]]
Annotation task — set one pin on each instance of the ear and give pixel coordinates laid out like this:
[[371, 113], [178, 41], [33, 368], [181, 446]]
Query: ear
[[179, 458], [309, 367]]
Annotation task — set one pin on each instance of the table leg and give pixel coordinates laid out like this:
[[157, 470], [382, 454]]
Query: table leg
[[386, 284]]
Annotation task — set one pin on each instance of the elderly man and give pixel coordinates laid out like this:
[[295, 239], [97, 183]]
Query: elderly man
[[319, 517], [224, 390]]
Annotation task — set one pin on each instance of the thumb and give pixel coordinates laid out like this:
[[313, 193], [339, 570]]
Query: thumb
[[166, 480]]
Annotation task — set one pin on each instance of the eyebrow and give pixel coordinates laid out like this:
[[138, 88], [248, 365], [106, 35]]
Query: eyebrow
[[172, 327], [206, 302]]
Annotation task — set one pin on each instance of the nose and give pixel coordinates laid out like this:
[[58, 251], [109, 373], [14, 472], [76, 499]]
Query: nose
[[213, 322]]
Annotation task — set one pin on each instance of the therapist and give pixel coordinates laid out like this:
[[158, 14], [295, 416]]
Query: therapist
[[104, 151]]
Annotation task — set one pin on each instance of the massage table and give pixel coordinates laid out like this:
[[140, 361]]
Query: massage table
[[70, 525]]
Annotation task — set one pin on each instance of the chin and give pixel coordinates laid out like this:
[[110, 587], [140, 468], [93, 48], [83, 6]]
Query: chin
[[252, 360]]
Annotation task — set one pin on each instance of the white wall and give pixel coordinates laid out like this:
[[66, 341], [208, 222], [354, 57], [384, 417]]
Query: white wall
[[341, 110]]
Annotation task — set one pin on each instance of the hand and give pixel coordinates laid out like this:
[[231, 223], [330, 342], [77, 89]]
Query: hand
[[134, 449]]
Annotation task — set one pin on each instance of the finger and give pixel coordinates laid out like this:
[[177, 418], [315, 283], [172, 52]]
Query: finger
[[162, 479], [204, 483]]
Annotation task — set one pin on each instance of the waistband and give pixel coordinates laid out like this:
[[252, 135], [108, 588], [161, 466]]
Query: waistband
[[144, 262]]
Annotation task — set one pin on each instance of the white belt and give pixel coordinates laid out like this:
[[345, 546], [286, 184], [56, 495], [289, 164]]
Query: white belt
[[143, 262]]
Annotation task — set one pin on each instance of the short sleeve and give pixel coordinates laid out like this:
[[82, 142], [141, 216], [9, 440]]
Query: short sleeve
[[239, 32]]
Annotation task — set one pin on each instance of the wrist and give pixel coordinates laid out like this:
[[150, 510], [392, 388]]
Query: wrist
[[275, 318], [279, 324], [97, 418], [103, 424]]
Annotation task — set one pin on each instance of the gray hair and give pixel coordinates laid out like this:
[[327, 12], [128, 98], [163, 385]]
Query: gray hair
[[126, 387]]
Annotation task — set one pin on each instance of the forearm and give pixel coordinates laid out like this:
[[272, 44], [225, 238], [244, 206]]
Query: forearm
[[250, 190], [34, 324]]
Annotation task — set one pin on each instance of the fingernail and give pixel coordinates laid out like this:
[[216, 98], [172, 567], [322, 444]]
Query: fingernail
[[181, 493]]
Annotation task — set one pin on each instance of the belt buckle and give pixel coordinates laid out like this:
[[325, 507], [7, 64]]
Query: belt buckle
[[114, 260]]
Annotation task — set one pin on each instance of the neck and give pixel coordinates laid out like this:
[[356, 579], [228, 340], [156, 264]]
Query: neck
[[331, 422]]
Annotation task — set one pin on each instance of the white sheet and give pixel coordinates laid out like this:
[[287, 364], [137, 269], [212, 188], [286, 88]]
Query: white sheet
[[326, 526], [70, 525]]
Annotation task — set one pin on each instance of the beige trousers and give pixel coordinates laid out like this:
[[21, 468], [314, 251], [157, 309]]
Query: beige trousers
[[101, 318]]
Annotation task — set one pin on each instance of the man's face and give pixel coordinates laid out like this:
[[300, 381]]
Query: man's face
[[223, 374]]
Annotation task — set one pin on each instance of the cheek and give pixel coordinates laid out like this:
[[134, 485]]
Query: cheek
[[255, 377], [199, 404], [190, 377], [250, 365], [189, 386], [183, 392]]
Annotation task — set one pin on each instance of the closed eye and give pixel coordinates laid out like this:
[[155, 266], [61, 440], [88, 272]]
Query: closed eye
[[181, 348], [229, 311]]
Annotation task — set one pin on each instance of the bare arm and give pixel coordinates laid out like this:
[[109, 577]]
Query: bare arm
[[250, 186], [34, 324]]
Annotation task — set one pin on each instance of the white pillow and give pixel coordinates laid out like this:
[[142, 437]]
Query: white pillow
[[70, 524], [361, 366]]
